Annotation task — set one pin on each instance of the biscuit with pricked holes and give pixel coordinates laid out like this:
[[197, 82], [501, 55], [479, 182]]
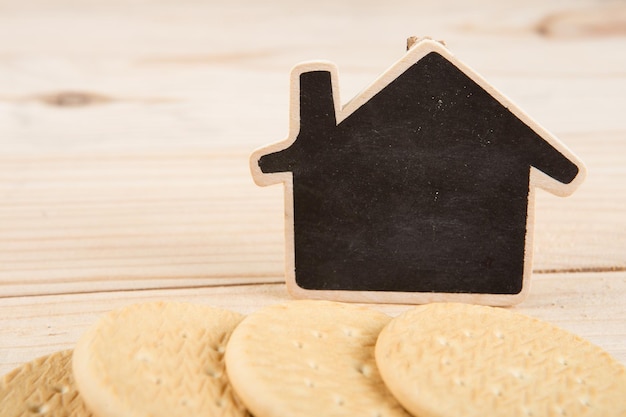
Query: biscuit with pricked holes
[[310, 358], [158, 359], [449, 359], [44, 387]]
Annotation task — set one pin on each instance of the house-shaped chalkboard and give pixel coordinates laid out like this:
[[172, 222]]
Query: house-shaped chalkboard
[[420, 189]]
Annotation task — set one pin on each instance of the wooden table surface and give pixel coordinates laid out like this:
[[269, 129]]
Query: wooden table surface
[[125, 131]]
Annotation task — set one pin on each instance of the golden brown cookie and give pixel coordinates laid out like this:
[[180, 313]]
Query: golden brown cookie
[[448, 360], [158, 359], [310, 358], [44, 387]]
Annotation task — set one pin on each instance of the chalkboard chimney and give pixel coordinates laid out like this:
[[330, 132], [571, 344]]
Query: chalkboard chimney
[[317, 108]]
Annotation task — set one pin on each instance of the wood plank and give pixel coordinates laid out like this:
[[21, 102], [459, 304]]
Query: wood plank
[[588, 304], [125, 166], [586, 231], [106, 221]]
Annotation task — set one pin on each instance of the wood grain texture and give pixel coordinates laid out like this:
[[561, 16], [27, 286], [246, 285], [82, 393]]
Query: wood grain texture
[[588, 304], [125, 133]]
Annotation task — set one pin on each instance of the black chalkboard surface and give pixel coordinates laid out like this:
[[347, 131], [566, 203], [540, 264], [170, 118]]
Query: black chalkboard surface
[[420, 189]]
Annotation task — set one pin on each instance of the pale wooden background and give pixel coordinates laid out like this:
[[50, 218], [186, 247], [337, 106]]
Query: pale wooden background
[[125, 130]]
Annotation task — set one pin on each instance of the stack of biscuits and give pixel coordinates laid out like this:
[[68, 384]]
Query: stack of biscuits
[[319, 358]]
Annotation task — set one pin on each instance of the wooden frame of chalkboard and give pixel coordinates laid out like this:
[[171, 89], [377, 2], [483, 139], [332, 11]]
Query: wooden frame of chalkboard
[[419, 189]]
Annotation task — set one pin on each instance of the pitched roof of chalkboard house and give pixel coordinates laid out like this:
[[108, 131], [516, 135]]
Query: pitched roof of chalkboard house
[[421, 186]]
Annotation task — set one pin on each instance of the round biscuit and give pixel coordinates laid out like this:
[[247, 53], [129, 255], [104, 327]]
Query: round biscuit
[[44, 387], [449, 359], [157, 359], [310, 358]]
